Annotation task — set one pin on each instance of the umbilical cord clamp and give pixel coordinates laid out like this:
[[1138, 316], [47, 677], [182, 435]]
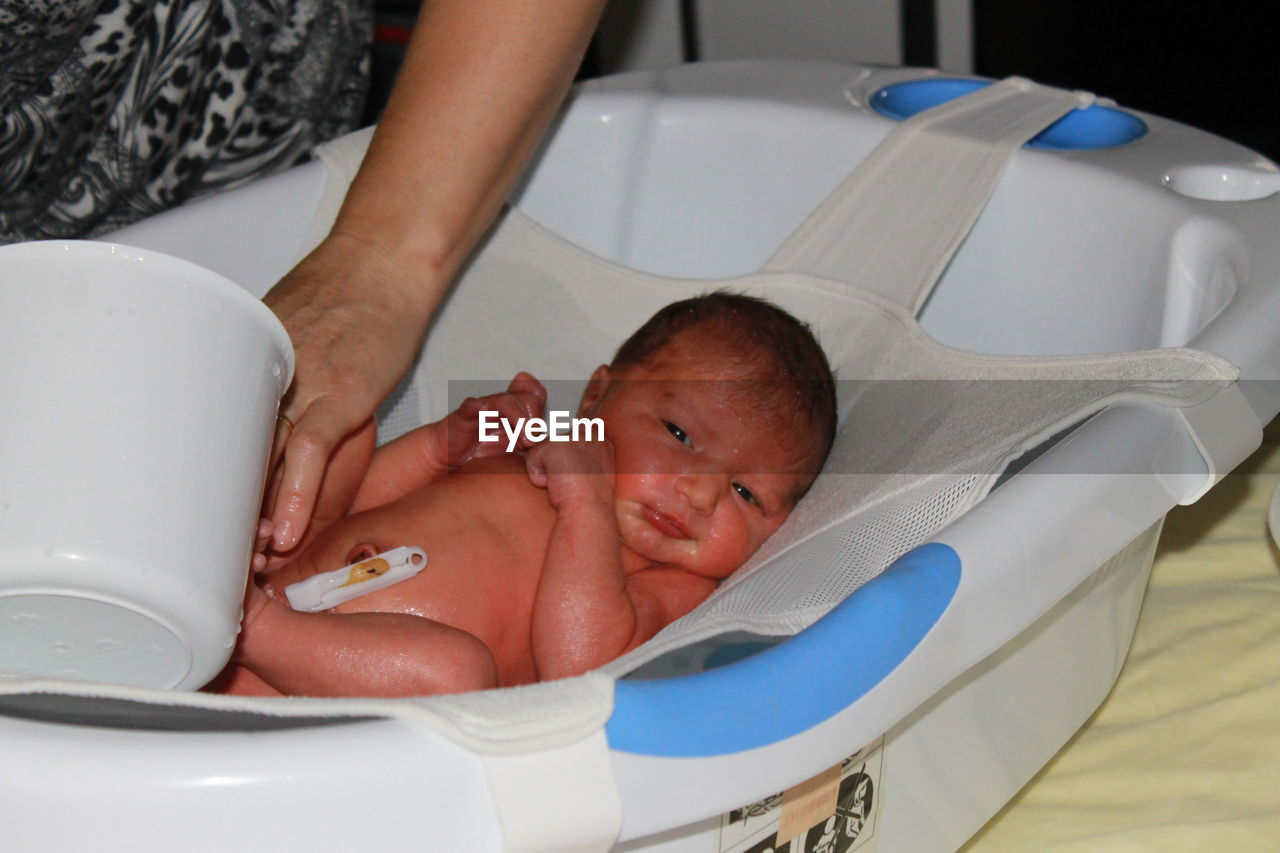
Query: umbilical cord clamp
[[329, 589]]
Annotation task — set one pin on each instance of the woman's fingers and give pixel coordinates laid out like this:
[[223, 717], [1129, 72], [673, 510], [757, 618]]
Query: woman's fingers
[[314, 437]]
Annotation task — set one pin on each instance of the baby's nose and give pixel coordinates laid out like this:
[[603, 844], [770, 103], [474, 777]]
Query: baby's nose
[[700, 490]]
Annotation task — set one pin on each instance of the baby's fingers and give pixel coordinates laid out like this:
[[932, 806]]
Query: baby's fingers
[[262, 537], [535, 466], [531, 394]]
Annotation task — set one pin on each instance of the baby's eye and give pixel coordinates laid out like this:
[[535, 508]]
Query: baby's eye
[[680, 435], [746, 494]]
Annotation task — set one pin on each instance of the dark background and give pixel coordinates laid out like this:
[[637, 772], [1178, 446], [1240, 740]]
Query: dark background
[[1213, 64]]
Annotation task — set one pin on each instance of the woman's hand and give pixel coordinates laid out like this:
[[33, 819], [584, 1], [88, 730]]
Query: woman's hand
[[479, 84], [356, 318]]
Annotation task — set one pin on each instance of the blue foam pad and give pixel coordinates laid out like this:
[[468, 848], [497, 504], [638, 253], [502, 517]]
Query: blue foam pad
[[1096, 126], [797, 684]]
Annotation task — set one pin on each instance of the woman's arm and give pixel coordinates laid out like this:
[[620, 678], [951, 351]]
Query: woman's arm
[[480, 83]]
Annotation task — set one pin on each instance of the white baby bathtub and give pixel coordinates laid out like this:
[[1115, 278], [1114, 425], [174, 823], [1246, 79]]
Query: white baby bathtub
[[700, 172]]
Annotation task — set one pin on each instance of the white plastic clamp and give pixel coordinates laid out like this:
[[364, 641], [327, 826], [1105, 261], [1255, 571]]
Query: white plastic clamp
[[329, 589]]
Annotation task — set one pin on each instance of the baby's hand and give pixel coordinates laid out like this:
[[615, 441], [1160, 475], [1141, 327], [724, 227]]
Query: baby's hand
[[524, 398], [263, 561], [255, 599], [572, 470], [262, 538]]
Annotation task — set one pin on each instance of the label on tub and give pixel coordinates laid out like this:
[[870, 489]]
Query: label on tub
[[834, 812]]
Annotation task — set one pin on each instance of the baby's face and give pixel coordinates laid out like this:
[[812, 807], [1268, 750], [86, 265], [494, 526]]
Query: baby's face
[[705, 472]]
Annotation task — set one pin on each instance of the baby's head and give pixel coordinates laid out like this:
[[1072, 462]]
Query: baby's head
[[770, 356], [721, 410]]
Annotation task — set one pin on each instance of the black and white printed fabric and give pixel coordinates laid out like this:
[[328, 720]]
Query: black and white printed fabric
[[113, 110]]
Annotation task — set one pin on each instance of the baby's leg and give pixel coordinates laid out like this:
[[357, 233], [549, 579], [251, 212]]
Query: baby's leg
[[237, 680], [361, 654]]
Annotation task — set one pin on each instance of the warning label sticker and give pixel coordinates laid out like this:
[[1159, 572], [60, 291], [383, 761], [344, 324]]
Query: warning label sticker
[[834, 812]]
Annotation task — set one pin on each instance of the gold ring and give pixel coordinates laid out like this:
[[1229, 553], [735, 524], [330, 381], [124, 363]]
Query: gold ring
[[285, 421]]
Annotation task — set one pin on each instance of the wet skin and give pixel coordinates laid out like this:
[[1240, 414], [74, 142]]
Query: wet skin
[[549, 563], [482, 566]]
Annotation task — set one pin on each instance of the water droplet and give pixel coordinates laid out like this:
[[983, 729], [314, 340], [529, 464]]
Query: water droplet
[[28, 620], [108, 644]]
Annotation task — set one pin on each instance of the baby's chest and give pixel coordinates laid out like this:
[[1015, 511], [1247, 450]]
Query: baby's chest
[[481, 574]]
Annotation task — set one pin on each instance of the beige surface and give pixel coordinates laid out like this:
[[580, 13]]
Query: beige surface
[[1185, 753]]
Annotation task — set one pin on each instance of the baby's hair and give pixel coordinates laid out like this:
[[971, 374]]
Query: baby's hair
[[780, 347]]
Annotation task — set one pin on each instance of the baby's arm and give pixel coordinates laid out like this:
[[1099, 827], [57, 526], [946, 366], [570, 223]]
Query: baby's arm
[[416, 458], [359, 654], [587, 610]]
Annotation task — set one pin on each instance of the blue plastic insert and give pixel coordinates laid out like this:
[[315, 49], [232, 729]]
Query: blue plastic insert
[[797, 684], [1093, 127]]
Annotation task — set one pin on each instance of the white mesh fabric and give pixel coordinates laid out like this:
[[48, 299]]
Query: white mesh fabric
[[923, 434], [924, 430], [401, 412], [797, 586], [854, 551]]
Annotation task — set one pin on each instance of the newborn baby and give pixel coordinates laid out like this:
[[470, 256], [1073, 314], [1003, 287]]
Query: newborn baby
[[552, 559]]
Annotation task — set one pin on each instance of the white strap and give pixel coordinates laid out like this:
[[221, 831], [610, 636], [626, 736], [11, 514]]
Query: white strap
[[560, 800], [893, 224]]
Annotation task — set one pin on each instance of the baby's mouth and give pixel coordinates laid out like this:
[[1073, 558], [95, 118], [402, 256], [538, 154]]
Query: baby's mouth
[[667, 525]]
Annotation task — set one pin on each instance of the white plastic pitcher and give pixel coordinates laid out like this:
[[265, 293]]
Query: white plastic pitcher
[[140, 392]]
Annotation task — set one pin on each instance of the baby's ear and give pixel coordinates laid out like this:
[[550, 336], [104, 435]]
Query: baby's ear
[[595, 390]]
